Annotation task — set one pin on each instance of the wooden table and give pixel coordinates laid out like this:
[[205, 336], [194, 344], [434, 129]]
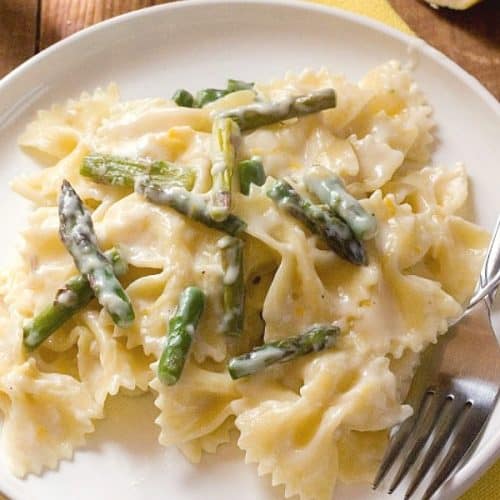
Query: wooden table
[[471, 38]]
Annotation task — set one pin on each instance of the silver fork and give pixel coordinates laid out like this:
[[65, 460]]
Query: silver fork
[[453, 392], [491, 265]]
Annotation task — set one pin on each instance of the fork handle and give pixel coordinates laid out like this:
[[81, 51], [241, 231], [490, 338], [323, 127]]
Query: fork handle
[[488, 284]]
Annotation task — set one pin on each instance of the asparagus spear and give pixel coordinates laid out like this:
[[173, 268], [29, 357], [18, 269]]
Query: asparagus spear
[[251, 172], [70, 299], [182, 97], [118, 171], [235, 85], [315, 339], [181, 329], [263, 113], [224, 132], [192, 205], [234, 286], [331, 190], [77, 234], [321, 221], [206, 96]]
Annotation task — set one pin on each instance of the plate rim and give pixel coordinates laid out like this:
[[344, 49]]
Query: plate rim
[[470, 472]]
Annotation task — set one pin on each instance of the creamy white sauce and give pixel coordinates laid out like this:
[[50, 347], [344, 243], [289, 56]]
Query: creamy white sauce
[[218, 166], [258, 360], [232, 273], [155, 120], [331, 191], [280, 108], [225, 241], [67, 298], [69, 206], [230, 245], [184, 201], [150, 145], [111, 301], [88, 261]]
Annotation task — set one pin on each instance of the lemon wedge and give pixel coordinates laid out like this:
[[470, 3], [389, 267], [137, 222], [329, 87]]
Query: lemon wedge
[[453, 4]]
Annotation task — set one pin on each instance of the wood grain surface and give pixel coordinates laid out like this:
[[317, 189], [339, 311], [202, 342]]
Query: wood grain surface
[[60, 18], [471, 38], [18, 32]]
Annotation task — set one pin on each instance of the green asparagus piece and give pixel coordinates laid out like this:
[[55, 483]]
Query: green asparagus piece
[[181, 329], [331, 190], [209, 95], [183, 98], [118, 171], [262, 113], [77, 234], [69, 299], [315, 339], [318, 218], [251, 172], [234, 286], [192, 205], [224, 132], [206, 96], [235, 85]]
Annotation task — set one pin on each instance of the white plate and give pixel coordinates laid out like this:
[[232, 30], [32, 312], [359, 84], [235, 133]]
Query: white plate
[[195, 44]]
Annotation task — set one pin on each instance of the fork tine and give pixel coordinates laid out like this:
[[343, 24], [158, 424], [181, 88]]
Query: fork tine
[[432, 405], [444, 427], [393, 449], [469, 428], [396, 443]]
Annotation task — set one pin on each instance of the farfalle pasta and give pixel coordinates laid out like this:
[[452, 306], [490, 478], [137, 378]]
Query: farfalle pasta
[[307, 422]]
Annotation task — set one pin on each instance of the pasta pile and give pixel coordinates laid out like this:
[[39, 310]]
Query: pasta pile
[[308, 422]]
